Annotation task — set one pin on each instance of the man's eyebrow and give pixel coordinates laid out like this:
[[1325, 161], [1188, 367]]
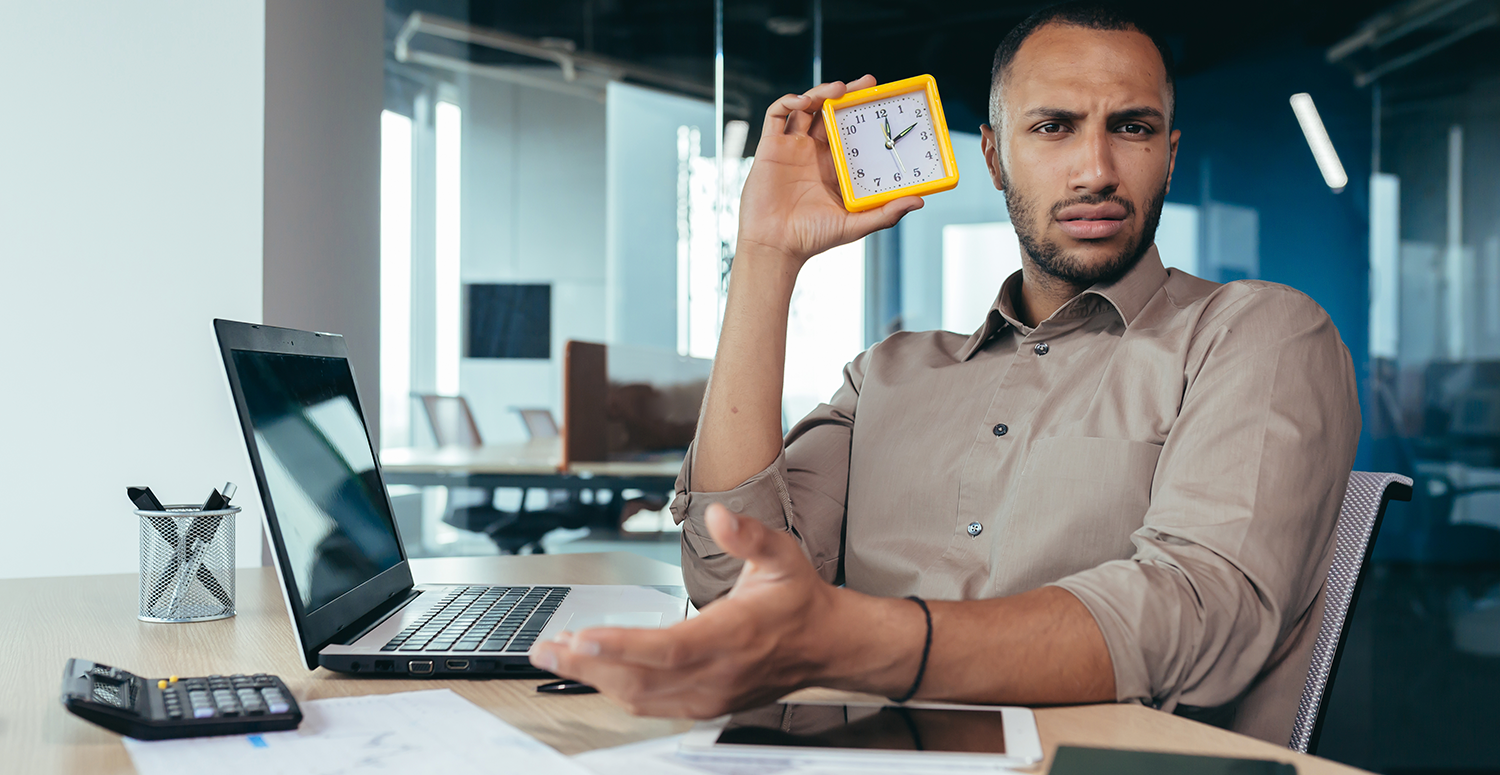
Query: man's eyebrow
[[1139, 111], [1060, 114], [1063, 114]]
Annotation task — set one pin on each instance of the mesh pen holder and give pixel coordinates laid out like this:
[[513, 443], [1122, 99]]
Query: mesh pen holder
[[187, 564]]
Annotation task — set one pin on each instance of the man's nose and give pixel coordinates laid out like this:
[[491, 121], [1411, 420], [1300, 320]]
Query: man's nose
[[1094, 165]]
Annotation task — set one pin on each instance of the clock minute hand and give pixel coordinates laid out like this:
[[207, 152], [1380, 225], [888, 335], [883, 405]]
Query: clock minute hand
[[903, 133]]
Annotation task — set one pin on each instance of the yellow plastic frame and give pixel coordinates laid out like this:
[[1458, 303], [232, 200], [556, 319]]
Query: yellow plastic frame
[[939, 122]]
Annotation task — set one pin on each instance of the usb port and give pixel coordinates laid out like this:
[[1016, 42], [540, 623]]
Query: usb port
[[420, 666], [457, 664]]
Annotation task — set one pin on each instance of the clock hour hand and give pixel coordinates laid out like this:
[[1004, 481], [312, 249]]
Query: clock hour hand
[[885, 128], [903, 133]]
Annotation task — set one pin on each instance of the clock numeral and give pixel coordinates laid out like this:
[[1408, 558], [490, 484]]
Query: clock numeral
[[899, 109], [877, 181], [855, 153], [896, 177], [859, 173], [880, 113], [849, 130], [929, 154], [859, 119], [924, 135], [918, 114], [917, 171]]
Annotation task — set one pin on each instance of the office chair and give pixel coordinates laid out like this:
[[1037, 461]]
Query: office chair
[[1358, 526], [472, 508]]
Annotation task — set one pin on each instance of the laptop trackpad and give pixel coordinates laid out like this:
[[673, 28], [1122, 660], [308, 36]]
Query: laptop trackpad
[[586, 619]]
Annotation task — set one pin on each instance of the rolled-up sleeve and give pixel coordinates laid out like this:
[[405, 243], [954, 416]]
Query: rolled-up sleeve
[[1244, 503], [802, 492]]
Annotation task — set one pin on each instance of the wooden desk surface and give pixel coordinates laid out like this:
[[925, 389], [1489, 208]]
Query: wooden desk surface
[[48, 620], [538, 456]]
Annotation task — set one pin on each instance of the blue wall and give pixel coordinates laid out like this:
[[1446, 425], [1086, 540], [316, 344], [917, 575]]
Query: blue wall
[[1238, 118]]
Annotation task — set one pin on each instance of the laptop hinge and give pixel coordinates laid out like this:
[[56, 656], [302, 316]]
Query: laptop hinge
[[362, 626]]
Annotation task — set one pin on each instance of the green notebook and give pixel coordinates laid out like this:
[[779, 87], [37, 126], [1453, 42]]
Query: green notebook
[[1093, 761]]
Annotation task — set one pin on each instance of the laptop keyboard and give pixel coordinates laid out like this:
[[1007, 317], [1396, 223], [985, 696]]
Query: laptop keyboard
[[481, 619]]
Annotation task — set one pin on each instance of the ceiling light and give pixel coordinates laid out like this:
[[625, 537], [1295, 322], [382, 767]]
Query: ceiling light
[[1317, 140]]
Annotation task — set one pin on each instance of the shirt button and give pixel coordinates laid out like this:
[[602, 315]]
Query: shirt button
[[1041, 348], [1001, 430], [975, 528]]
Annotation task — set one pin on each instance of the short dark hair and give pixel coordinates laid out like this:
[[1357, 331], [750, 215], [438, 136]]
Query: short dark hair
[[1088, 14]]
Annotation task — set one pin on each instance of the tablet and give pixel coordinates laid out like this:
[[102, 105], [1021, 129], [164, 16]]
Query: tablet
[[872, 734]]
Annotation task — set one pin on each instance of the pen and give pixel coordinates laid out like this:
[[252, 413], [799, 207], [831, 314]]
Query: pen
[[193, 568], [566, 687]]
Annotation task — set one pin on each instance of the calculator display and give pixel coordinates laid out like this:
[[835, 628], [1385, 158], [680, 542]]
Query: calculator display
[[320, 472]]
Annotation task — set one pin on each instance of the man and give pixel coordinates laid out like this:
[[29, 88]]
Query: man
[[1122, 487]]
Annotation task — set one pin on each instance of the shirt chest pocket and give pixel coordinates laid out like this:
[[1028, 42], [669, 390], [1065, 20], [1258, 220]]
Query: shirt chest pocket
[[1078, 500]]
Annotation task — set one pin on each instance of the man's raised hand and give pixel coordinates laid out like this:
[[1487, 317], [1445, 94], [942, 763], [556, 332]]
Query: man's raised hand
[[791, 203]]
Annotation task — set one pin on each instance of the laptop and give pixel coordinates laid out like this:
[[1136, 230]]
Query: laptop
[[344, 572]]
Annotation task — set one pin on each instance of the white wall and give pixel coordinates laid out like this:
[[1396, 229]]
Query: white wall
[[130, 217], [533, 212]]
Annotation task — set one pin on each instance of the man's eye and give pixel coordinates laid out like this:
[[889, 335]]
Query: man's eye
[[1050, 129], [1135, 129]]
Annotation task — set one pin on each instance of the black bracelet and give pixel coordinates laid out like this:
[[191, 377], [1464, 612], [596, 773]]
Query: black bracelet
[[926, 649]]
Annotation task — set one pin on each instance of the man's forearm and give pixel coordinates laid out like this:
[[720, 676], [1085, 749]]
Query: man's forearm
[[1037, 648], [740, 431]]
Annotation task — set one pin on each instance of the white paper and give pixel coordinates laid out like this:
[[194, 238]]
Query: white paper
[[659, 757], [406, 733]]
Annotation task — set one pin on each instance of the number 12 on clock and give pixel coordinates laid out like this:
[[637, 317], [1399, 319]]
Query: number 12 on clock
[[890, 141]]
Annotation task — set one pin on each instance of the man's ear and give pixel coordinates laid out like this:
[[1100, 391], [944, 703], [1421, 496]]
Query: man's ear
[[991, 149], [1172, 155]]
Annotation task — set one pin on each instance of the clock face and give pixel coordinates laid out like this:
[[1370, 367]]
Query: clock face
[[890, 143]]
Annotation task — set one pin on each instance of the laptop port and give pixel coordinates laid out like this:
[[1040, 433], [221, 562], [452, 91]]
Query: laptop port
[[457, 664], [420, 666], [385, 665]]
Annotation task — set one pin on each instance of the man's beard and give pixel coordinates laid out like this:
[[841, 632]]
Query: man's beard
[[1054, 260]]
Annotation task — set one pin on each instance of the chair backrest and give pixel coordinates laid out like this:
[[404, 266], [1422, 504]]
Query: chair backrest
[[1358, 525], [452, 422], [539, 423]]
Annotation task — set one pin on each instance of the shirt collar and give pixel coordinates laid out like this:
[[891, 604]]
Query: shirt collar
[[1128, 295]]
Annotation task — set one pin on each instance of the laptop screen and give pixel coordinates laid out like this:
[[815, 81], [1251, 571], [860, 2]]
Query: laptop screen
[[319, 472]]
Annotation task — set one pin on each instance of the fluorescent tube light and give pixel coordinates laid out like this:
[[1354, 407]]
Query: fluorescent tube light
[[1317, 140]]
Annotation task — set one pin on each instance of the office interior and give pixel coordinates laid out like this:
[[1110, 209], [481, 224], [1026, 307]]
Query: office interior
[[465, 187]]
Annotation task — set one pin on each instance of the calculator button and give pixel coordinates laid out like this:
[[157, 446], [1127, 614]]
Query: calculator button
[[202, 712]]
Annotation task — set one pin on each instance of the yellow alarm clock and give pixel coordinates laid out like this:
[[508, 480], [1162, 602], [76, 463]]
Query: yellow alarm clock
[[890, 141]]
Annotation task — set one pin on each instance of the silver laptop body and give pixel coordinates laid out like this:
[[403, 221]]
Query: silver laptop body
[[343, 569]]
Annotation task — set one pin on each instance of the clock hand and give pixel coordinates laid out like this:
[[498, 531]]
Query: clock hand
[[903, 133], [897, 156], [885, 129]]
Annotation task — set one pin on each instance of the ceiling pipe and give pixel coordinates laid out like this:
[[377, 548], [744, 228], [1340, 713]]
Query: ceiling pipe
[[1386, 28], [582, 73]]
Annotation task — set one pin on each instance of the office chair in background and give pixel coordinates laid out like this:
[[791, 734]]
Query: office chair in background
[[473, 509], [1358, 526]]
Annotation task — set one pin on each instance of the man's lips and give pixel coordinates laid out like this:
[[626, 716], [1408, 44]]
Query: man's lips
[[1088, 222]]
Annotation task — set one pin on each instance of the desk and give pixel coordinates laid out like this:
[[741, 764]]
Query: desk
[[48, 620], [537, 463]]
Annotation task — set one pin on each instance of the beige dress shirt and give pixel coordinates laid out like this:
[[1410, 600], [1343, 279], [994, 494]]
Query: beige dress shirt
[[1172, 451]]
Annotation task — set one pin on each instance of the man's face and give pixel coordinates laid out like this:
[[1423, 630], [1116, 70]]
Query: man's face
[[1085, 152]]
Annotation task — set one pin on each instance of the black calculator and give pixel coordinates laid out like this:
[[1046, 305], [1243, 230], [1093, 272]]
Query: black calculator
[[169, 708]]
